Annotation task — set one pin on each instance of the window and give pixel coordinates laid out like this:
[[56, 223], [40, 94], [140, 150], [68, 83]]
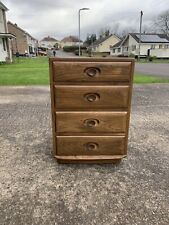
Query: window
[[119, 49], [133, 47], [152, 46], [4, 43], [113, 50], [1, 16], [166, 46], [125, 49], [160, 46]]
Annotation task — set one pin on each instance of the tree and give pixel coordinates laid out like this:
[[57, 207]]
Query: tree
[[125, 31], [90, 39], [93, 38], [104, 32], [116, 28], [107, 32], [101, 33], [162, 22]]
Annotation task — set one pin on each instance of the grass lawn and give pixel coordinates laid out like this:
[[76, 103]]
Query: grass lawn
[[35, 71], [154, 61], [148, 79], [26, 71]]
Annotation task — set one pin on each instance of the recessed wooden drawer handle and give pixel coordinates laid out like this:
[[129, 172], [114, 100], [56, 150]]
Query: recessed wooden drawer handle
[[92, 97], [92, 71], [91, 146], [91, 123]]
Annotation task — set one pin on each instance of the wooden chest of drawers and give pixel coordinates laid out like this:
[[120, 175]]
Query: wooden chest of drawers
[[91, 100]]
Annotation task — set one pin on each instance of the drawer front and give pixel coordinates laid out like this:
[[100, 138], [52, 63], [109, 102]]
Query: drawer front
[[91, 122], [91, 97], [90, 145], [91, 71]]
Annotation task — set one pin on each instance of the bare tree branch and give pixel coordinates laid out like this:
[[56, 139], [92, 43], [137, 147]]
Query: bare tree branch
[[162, 22]]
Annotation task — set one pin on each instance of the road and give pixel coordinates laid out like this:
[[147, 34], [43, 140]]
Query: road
[[155, 69], [35, 189], [60, 53]]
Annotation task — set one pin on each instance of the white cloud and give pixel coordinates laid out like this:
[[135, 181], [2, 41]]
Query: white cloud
[[59, 18]]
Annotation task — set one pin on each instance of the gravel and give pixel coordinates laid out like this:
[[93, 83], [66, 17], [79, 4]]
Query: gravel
[[35, 189]]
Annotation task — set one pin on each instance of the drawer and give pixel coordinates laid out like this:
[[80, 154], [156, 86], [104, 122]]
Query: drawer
[[91, 122], [91, 97], [91, 71], [90, 145]]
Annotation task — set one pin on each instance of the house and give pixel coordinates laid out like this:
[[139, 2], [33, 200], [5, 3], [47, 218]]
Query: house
[[24, 42], [49, 43], [150, 45], [70, 41], [5, 37], [103, 44]]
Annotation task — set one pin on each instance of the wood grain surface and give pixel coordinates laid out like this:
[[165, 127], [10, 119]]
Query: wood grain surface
[[79, 145], [76, 71], [75, 122], [91, 97]]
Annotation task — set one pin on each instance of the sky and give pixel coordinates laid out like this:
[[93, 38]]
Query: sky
[[59, 18]]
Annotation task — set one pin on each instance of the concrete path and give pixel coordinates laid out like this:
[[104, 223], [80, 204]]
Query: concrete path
[[155, 69], [35, 190]]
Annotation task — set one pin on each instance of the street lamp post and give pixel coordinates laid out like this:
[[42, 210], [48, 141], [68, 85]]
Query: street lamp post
[[79, 25]]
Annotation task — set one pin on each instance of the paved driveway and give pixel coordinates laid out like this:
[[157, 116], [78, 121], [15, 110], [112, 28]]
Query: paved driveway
[[35, 190], [155, 69]]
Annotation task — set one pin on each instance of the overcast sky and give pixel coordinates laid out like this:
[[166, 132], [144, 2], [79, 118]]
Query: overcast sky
[[58, 18]]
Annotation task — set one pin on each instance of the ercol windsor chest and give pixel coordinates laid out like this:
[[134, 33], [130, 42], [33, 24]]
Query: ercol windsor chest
[[91, 100]]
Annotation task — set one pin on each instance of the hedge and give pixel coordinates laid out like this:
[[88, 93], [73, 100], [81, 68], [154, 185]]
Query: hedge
[[72, 48]]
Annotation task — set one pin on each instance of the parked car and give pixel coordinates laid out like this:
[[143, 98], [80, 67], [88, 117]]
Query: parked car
[[76, 52], [42, 53]]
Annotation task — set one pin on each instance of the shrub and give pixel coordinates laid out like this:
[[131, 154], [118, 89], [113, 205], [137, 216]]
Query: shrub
[[131, 55], [72, 48], [76, 52], [151, 58], [154, 57]]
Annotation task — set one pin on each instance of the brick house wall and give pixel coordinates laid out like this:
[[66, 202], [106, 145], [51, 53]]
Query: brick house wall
[[19, 44]]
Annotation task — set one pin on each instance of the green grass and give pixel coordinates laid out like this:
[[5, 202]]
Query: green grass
[[35, 71], [154, 61], [147, 79], [26, 71]]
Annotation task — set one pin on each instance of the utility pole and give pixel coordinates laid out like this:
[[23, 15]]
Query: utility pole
[[141, 15]]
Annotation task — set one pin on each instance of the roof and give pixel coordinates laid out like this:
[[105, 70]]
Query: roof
[[118, 44], [145, 38], [71, 39], [7, 35], [49, 39], [151, 38], [16, 26], [2, 6], [101, 40]]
